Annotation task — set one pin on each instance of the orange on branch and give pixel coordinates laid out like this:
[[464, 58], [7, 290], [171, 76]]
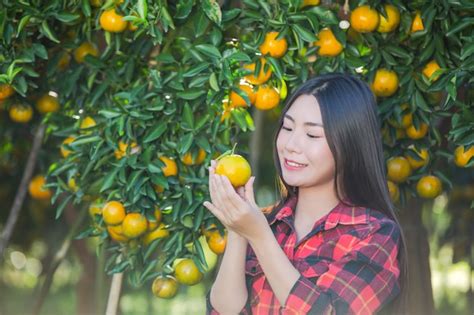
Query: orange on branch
[[417, 23], [188, 159], [267, 98], [6, 90], [113, 213], [111, 21], [47, 104], [165, 287], [429, 187], [170, 168], [385, 83], [273, 46], [187, 272], [398, 169], [364, 19], [414, 133], [392, 21], [422, 154], [263, 75], [134, 225], [429, 69], [328, 44], [462, 156], [21, 113], [83, 50], [37, 190], [237, 101]]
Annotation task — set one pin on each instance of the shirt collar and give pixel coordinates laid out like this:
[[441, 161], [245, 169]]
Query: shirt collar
[[343, 213]]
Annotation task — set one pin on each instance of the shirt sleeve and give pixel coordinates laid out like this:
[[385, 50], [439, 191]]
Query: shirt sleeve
[[361, 282]]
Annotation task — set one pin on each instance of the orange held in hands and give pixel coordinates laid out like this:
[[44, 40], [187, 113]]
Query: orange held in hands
[[235, 168]]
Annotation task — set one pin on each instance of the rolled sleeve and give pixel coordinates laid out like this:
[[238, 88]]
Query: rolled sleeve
[[361, 282]]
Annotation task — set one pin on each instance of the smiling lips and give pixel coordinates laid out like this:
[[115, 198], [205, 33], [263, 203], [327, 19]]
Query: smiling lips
[[293, 166]]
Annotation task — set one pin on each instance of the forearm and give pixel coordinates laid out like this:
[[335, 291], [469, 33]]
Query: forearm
[[229, 291], [278, 269]]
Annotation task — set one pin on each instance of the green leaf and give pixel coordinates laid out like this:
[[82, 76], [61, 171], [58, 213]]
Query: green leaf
[[191, 94], [155, 133], [209, 51], [188, 116], [325, 15], [66, 17], [195, 70], [459, 26], [109, 113], [109, 179], [142, 8], [213, 82], [185, 143], [213, 11], [306, 35], [86, 7], [46, 31], [23, 22]]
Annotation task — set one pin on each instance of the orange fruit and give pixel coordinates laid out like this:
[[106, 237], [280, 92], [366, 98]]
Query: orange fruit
[[64, 61], [153, 223], [263, 75], [364, 19], [307, 3], [6, 90], [159, 189], [170, 168], [217, 242], [37, 190], [207, 231], [328, 44], [96, 3], [65, 152], [113, 213], [111, 21], [235, 168], [237, 101], [188, 158], [267, 98], [429, 187], [407, 119], [273, 46], [414, 133], [422, 154], [417, 23], [134, 225], [165, 287], [83, 50], [187, 272], [71, 183], [398, 169], [160, 232], [87, 122], [122, 149], [392, 21], [21, 113], [462, 157], [47, 104], [95, 209], [116, 233], [429, 69], [393, 190], [385, 82]]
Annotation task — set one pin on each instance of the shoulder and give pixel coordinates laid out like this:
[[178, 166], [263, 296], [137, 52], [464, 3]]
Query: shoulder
[[382, 225]]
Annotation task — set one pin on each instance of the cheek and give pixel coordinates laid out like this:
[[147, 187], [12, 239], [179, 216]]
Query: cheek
[[321, 155]]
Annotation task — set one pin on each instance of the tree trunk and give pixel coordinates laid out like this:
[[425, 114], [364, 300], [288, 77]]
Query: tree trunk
[[420, 294]]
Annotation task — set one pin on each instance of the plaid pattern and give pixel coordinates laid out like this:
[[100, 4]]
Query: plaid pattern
[[348, 264]]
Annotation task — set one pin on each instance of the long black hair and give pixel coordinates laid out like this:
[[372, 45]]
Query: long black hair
[[353, 132]]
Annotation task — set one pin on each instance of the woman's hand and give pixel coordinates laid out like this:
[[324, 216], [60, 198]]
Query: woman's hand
[[236, 210]]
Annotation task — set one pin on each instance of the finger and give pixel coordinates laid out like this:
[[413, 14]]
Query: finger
[[249, 193], [216, 212], [218, 195], [241, 192], [230, 194]]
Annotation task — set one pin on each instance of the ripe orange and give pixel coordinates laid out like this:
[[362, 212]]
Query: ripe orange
[[429, 70], [116, 233], [65, 152], [71, 183], [189, 160], [170, 168], [217, 242], [307, 3], [415, 134], [187, 272], [398, 169], [134, 225], [263, 75], [462, 157], [47, 104], [95, 209], [392, 21], [165, 287], [122, 149], [417, 23], [87, 122], [21, 113], [37, 190], [267, 98], [429, 187], [160, 232], [393, 190], [235, 168], [113, 212], [423, 155], [207, 231], [6, 90], [237, 101], [111, 21], [407, 119], [385, 82], [83, 50], [153, 223], [328, 44], [273, 46], [364, 19]]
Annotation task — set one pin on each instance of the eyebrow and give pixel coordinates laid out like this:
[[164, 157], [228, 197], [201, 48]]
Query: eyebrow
[[306, 123]]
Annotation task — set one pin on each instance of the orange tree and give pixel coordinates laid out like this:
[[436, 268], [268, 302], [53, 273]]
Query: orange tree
[[140, 95]]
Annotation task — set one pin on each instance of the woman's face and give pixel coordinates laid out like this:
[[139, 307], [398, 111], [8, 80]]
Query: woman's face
[[304, 154]]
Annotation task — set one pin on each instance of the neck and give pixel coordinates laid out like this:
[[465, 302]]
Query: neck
[[316, 201]]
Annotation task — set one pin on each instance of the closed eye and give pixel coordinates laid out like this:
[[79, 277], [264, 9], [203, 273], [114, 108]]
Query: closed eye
[[286, 128], [314, 137]]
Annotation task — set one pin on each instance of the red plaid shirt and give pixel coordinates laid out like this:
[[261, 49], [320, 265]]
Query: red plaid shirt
[[348, 264]]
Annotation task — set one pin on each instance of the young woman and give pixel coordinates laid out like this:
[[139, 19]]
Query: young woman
[[332, 245]]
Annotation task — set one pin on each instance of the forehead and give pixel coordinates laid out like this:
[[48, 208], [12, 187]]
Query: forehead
[[305, 108]]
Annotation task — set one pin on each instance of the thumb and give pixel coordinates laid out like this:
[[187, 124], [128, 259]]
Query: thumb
[[249, 194]]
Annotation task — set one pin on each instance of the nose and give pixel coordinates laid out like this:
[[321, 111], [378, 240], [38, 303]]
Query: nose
[[293, 144]]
